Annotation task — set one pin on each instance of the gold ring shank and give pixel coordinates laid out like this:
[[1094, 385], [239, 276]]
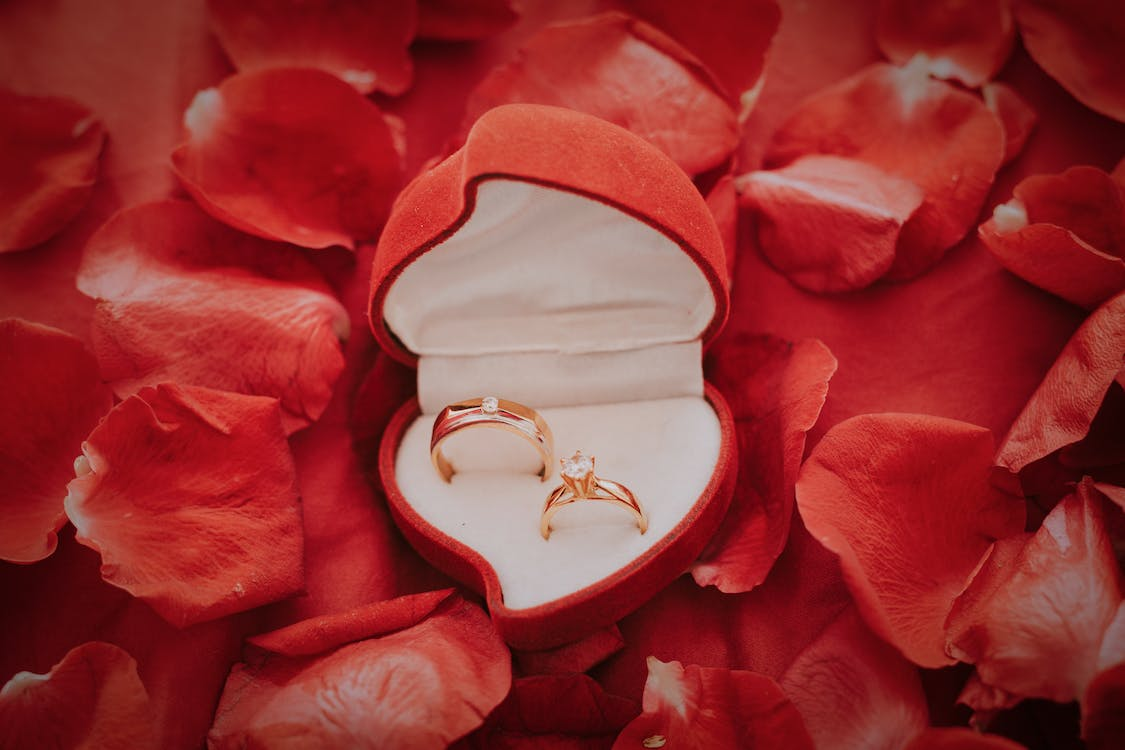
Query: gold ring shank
[[605, 490], [505, 415]]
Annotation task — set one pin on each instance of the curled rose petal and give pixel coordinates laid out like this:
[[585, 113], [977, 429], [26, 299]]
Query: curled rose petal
[[829, 224], [1064, 233], [1103, 710], [910, 126], [208, 469], [776, 389], [1016, 115], [464, 19], [184, 298], [722, 199], [50, 398], [290, 154], [93, 698], [703, 707], [363, 43], [1078, 43], [907, 503], [49, 150], [580, 656], [1034, 617], [1062, 409], [422, 687], [632, 74], [966, 41]]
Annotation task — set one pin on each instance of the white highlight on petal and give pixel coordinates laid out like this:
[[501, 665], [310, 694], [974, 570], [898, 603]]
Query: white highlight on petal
[[667, 681], [82, 126], [363, 80], [22, 681], [204, 112], [82, 466], [1010, 217]]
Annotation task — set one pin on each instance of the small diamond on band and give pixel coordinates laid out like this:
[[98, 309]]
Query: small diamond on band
[[489, 404], [577, 466]]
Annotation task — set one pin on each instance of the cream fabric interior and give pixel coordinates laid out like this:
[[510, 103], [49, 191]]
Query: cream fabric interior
[[592, 318]]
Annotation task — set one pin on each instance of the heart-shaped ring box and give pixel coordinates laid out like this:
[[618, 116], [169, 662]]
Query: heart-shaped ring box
[[559, 261]]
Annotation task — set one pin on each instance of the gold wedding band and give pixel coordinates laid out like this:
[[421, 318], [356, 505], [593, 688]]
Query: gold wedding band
[[580, 483], [491, 412]]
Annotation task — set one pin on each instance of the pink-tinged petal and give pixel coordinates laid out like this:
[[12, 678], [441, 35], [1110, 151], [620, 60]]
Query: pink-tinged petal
[[422, 687], [1064, 233], [958, 738], [50, 399], [1061, 410], [966, 41], [327, 632], [1034, 617], [830, 224], [580, 656], [361, 42], [1078, 43], [776, 389], [910, 126], [737, 55], [290, 154], [907, 503], [457, 20], [703, 707], [93, 698], [184, 298], [209, 469], [1016, 115], [632, 74], [49, 150], [1103, 710]]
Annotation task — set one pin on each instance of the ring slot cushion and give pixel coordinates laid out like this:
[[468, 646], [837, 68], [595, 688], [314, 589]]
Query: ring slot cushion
[[559, 261]]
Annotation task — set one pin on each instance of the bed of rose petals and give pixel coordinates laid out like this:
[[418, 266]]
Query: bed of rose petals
[[924, 206]]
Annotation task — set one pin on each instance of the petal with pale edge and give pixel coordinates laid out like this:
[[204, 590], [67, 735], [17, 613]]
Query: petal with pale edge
[[1062, 409], [49, 150], [910, 126], [1064, 233], [1034, 617], [184, 298], [422, 687], [290, 154], [632, 74], [93, 698], [464, 19], [830, 224], [776, 389], [702, 707], [906, 502], [966, 41], [50, 399], [361, 42], [1016, 115], [190, 496], [1078, 43]]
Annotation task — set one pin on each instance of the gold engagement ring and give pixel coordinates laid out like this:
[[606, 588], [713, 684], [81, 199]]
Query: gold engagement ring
[[580, 483], [490, 411]]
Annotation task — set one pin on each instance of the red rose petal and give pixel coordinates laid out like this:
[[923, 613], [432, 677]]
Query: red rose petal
[[580, 656], [1033, 619], [293, 155], [737, 55], [93, 698], [958, 738], [420, 688], [50, 398], [829, 224], [702, 707], [362, 42], [776, 389], [966, 41], [184, 298], [1016, 115], [1063, 233], [907, 124], [464, 19], [49, 150], [327, 632], [722, 199], [632, 74], [1061, 410], [907, 503], [1103, 710], [208, 469], [1078, 43]]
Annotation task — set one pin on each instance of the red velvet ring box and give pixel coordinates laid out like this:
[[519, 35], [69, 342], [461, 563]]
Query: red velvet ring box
[[559, 261]]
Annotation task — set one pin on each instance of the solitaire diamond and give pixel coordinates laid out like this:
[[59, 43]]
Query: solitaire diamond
[[489, 404], [577, 466]]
